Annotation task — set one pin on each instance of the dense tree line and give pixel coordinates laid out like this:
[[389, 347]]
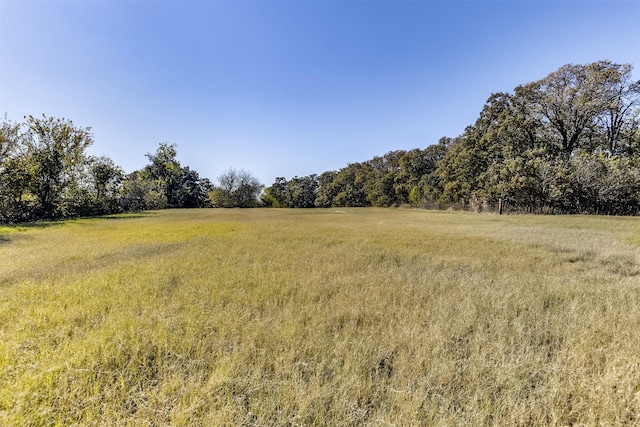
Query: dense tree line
[[568, 143], [45, 173], [397, 178], [164, 183]]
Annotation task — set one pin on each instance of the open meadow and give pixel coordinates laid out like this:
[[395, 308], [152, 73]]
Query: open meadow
[[321, 317]]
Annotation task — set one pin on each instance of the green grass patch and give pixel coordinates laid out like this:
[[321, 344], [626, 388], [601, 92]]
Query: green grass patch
[[320, 317]]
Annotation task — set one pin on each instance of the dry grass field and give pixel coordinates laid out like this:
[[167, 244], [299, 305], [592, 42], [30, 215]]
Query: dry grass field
[[321, 317]]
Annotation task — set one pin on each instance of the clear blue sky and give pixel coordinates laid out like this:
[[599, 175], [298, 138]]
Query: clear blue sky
[[284, 88]]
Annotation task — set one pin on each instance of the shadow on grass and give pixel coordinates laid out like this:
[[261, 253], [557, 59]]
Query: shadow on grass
[[19, 226], [36, 224], [14, 229], [124, 216]]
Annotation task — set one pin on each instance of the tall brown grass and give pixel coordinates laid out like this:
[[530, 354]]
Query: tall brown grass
[[321, 317]]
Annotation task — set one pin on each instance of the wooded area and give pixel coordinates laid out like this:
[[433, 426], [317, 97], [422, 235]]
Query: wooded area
[[46, 174], [568, 143]]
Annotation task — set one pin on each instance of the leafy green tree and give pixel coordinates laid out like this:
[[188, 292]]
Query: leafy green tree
[[218, 198], [56, 148], [572, 101], [619, 190], [419, 171], [327, 190], [192, 191], [106, 178], [139, 192], [104, 186], [276, 196], [349, 183], [181, 186], [15, 174], [378, 178], [16, 202], [379, 188], [9, 139], [301, 192], [165, 169], [481, 149]]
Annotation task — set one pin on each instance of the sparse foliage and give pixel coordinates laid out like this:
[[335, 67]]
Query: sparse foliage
[[236, 189]]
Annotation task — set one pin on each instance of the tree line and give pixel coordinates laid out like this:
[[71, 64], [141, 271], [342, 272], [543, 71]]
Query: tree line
[[568, 143], [45, 173]]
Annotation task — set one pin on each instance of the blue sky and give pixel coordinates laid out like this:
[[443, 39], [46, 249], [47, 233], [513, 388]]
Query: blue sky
[[284, 88]]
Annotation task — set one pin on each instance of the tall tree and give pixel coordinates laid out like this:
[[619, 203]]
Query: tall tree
[[378, 178], [9, 139], [140, 192], [349, 185], [192, 191], [14, 172], [276, 195], [327, 189], [572, 99], [301, 192], [236, 189], [619, 119], [56, 147], [422, 172], [165, 168], [106, 181]]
